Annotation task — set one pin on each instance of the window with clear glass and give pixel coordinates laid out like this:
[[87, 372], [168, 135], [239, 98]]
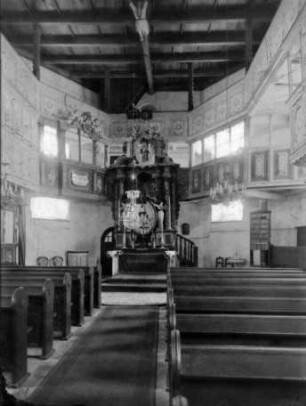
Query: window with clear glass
[[237, 138], [232, 211], [196, 153], [86, 150], [72, 147], [223, 143], [49, 208], [209, 148], [77, 147], [49, 142], [179, 152]]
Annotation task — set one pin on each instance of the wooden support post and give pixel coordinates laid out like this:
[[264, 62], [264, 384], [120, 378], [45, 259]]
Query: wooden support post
[[148, 64], [37, 50], [248, 35], [107, 90], [190, 87]]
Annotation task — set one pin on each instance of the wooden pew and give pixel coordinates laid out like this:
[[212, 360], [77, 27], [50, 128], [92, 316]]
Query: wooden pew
[[246, 270], [228, 329], [77, 285], [242, 305], [237, 332], [97, 286], [40, 313], [241, 290], [235, 374], [13, 336], [62, 297]]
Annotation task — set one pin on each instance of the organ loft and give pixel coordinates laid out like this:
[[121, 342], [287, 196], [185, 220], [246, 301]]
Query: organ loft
[[153, 228]]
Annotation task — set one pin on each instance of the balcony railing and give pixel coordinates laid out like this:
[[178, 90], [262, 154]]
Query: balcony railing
[[187, 251]]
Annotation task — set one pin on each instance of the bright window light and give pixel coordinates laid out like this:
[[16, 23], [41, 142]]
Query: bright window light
[[49, 208], [196, 153], [232, 211], [209, 148], [72, 144], [49, 145], [223, 143], [237, 138]]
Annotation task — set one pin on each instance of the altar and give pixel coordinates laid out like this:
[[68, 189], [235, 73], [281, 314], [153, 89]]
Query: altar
[[142, 186]]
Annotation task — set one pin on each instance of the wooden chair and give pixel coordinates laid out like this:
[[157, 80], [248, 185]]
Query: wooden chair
[[42, 261], [57, 260], [219, 262]]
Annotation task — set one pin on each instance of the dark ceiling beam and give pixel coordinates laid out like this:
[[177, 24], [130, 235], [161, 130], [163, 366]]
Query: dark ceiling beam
[[103, 16], [86, 59], [132, 75], [122, 60], [194, 38]]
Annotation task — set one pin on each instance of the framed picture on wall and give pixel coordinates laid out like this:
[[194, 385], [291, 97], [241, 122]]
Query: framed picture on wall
[[208, 177], [282, 167], [196, 177], [259, 166]]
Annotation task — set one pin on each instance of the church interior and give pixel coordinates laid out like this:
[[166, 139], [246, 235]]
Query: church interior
[[153, 200]]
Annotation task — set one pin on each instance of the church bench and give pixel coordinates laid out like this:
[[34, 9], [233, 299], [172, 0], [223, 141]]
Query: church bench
[[62, 297], [77, 285], [241, 290], [13, 336], [237, 280], [278, 330], [39, 314], [241, 305], [235, 367], [247, 270]]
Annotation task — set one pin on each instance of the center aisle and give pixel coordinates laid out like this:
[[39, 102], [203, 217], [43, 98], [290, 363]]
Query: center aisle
[[113, 363]]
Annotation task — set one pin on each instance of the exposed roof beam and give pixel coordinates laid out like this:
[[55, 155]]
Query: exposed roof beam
[[103, 16], [194, 38], [134, 59], [131, 75], [126, 60], [110, 59]]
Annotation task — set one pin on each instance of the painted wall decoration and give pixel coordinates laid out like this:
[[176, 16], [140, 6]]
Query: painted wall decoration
[[259, 166], [119, 129], [196, 180], [49, 173], [178, 128], [208, 176], [282, 167], [99, 186]]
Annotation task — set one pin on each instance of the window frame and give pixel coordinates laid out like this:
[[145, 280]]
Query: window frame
[[54, 126], [214, 134]]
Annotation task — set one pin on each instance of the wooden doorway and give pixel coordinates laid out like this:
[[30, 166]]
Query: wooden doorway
[[107, 243]]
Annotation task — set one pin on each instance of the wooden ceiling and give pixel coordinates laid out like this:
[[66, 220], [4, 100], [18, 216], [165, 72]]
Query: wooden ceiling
[[191, 44]]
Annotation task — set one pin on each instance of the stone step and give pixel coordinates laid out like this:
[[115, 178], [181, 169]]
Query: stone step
[[129, 287]]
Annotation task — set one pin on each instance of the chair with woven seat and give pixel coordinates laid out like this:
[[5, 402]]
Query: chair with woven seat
[[57, 260], [219, 262], [42, 261]]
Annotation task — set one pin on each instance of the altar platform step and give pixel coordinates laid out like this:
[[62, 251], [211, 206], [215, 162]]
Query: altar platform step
[[135, 283]]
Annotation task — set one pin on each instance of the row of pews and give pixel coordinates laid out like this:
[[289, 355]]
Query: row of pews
[[237, 336], [38, 305]]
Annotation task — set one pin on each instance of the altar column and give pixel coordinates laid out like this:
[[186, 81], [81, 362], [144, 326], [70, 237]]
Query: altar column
[[173, 204], [166, 177], [119, 193]]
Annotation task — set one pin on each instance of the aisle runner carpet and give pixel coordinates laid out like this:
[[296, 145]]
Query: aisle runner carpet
[[113, 363]]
